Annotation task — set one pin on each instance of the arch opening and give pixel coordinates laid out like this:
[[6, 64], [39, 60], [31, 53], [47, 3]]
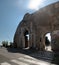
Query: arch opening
[[48, 42], [26, 37]]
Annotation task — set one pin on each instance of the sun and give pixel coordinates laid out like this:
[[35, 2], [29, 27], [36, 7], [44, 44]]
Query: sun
[[34, 4]]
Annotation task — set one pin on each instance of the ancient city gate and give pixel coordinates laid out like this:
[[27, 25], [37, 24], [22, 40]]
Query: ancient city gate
[[31, 31]]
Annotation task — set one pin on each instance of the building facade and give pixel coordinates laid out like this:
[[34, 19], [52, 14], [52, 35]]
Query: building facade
[[32, 29]]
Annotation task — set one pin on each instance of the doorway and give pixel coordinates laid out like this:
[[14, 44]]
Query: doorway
[[48, 42], [26, 36]]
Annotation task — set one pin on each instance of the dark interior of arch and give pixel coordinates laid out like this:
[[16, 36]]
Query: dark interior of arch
[[26, 38]]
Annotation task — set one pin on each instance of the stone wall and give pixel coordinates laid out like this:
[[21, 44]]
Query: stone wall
[[38, 24]]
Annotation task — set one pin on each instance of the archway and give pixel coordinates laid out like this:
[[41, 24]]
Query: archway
[[48, 41], [26, 36]]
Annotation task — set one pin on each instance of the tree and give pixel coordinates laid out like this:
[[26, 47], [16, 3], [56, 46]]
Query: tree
[[5, 43]]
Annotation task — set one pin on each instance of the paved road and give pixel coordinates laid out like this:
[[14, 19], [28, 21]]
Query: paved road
[[10, 58]]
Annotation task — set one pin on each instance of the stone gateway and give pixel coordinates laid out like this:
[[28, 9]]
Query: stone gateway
[[32, 29]]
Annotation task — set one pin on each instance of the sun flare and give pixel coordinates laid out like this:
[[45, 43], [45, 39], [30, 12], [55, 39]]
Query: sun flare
[[34, 4]]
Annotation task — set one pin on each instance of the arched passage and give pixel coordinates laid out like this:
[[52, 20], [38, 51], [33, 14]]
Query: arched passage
[[48, 41], [26, 37]]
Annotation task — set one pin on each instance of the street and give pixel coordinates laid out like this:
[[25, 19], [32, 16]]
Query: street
[[13, 58]]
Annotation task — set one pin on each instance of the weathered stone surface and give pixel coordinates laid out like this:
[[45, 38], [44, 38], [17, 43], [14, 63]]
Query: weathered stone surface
[[38, 24]]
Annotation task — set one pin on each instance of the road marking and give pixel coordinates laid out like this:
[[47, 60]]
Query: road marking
[[5, 63], [19, 62]]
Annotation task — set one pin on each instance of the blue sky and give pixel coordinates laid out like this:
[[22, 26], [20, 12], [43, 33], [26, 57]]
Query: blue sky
[[12, 12]]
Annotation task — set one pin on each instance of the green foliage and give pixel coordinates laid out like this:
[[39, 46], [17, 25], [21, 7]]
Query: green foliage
[[5, 43]]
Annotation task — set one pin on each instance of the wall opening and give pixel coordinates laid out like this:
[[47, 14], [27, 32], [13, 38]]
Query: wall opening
[[48, 42], [26, 36]]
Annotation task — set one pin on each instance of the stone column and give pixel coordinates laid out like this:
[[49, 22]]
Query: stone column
[[38, 42], [23, 41], [42, 42], [34, 40], [22, 38], [30, 35], [30, 40]]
